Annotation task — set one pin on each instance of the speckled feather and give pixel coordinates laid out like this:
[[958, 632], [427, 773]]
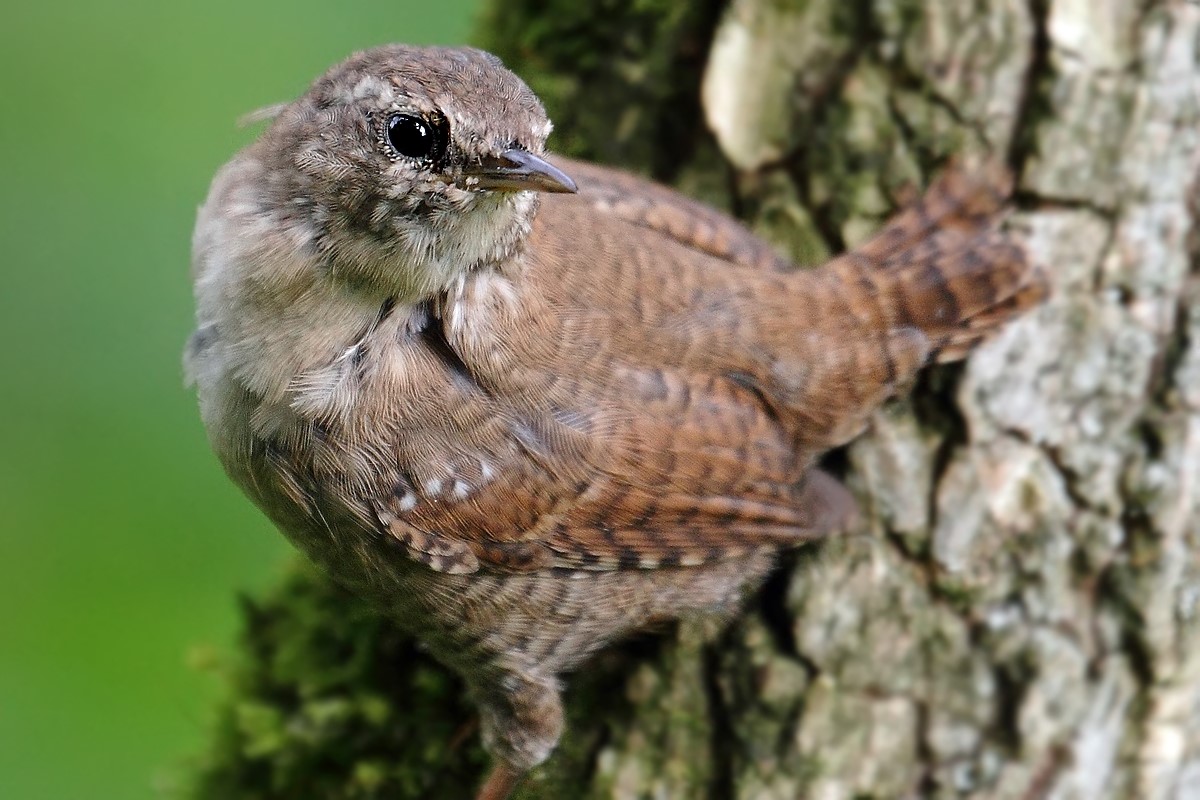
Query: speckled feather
[[648, 439], [527, 424]]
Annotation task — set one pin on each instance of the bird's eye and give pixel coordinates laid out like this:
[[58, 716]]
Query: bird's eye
[[412, 136]]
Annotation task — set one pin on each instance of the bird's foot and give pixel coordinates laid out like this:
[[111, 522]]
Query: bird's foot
[[499, 784]]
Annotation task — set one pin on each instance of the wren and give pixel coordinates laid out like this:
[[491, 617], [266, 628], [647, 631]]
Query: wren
[[528, 405]]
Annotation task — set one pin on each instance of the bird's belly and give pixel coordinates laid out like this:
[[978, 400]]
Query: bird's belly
[[551, 621], [546, 621]]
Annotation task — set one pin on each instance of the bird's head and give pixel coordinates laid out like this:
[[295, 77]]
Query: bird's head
[[408, 166]]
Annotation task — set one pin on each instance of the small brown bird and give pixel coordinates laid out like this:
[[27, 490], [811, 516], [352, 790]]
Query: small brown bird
[[529, 405]]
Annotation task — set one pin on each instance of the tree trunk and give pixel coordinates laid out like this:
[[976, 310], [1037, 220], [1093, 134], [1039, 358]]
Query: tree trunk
[[1019, 616]]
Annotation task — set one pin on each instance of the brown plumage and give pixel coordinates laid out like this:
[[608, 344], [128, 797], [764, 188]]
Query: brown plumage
[[526, 428]]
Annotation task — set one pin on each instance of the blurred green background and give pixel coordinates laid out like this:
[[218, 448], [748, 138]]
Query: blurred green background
[[122, 545]]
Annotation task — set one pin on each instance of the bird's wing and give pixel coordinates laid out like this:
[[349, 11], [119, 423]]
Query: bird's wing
[[660, 404], [661, 211], [612, 464], [680, 471], [571, 446]]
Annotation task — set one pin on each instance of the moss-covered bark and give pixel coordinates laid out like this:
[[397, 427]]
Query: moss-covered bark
[[1019, 616]]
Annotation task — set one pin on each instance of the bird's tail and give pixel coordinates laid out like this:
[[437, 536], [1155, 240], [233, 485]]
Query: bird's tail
[[944, 267]]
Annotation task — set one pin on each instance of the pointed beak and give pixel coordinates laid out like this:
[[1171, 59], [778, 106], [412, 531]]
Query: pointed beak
[[517, 171]]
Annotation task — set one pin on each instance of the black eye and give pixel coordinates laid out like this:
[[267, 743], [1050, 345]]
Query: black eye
[[412, 136]]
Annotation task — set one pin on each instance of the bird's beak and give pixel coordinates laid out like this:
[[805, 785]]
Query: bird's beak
[[516, 171]]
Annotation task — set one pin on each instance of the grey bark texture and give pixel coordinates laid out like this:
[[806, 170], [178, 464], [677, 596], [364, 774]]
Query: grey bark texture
[[1019, 615]]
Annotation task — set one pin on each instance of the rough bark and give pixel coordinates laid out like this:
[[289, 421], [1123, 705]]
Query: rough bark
[[1020, 615]]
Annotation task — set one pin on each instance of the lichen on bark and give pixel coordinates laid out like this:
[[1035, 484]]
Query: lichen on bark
[[1019, 616]]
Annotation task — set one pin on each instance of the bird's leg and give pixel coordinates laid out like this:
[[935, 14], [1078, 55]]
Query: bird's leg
[[464, 732], [521, 719], [499, 784]]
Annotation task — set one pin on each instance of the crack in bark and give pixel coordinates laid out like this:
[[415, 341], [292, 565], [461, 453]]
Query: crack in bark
[[721, 786], [1029, 200], [933, 413], [1042, 785], [1035, 101], [680, 120], [773, 608]]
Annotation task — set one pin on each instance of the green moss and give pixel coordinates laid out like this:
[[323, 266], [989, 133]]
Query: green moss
[[960, 596], [329, 700], [808, 769], [621, 85]]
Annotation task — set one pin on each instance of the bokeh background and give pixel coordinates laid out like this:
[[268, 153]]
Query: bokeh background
[[122, 545]]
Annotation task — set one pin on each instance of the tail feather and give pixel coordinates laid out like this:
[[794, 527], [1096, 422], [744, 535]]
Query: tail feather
[[956, 201], [981, 327], [939, 279], [944, 267]]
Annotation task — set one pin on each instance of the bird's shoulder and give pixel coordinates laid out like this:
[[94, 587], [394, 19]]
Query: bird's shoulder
[[651, 211]]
